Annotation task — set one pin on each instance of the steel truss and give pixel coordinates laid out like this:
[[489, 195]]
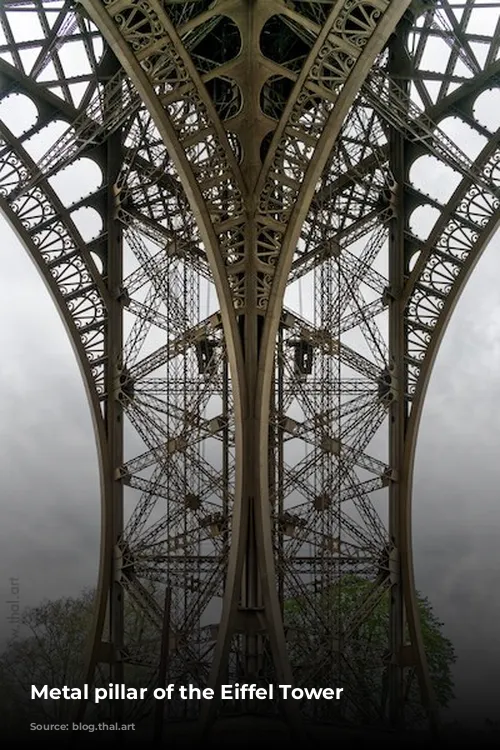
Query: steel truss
[[257, 313]]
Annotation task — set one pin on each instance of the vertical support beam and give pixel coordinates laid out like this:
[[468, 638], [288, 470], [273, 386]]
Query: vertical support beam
[[113, 411], [225, 456], [404, 616], [107, 647], [280, 465], [398, 406], [163, 668], [251, 600]]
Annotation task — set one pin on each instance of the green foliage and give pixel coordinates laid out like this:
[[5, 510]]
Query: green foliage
[[340, 609], [50, 654], [440, 652]]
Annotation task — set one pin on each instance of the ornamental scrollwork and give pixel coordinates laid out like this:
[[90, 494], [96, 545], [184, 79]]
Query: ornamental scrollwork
[[56, 247], [460, 238]]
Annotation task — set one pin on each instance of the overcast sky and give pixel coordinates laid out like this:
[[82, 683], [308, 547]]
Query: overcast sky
[[49, 499]]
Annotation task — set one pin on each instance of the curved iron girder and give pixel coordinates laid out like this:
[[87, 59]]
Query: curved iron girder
[[456, 249], [472, 211], [426, 302], [197, 179], [82, 300], [466, 220]]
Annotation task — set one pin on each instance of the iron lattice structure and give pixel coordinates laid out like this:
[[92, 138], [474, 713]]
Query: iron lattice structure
[[290, 199]]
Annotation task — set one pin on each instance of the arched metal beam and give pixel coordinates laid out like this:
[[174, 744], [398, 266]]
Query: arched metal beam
[[70, 274], [460, 270]]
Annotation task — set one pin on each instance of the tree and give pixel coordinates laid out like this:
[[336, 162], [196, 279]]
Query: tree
[[329, 642], [49, 654], [52, 652]]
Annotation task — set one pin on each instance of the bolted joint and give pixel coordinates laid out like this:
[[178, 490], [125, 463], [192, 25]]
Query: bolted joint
[[388, 566], [419, 7], [291, 524], [123, 216], [388, 296], [215, 523], [387, 386], [122, 296], [127, 559], [388, 199], [192, 501], [124, 390], [122, 474], [389, 477]]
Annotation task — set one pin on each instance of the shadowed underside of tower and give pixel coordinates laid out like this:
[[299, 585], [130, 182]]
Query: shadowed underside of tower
[[255, 217]]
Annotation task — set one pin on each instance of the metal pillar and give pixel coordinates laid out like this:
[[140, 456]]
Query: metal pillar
[[398, 406], [114, 413]]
